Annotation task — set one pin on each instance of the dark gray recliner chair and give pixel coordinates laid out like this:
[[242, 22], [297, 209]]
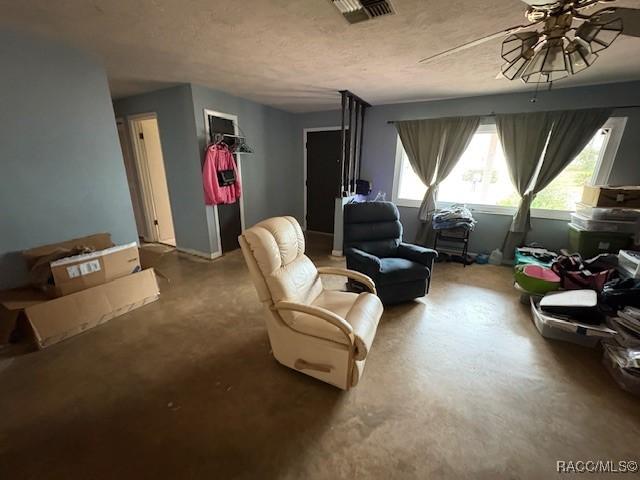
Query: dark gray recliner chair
[[373, 245]]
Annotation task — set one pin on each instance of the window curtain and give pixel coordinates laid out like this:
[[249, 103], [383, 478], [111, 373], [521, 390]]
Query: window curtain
[[572, 131], [434, 148], [534, 167], [523, 137]]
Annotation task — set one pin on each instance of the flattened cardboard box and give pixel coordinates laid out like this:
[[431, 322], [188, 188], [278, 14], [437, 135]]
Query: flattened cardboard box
[[12, 305], [607, 196], [72, 274], [55, 320]]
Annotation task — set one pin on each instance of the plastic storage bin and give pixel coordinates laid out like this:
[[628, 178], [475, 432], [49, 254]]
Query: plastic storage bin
[[610, 213], [629, 261], [589, 244], [604, 225], [579, 337]]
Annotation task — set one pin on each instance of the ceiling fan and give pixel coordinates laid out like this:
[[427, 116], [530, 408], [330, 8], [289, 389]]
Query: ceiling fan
[[567, 41]]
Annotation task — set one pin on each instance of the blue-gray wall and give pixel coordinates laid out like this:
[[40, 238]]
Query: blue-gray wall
[[380, 139], [268, 174], [61, 168], [176, 123]]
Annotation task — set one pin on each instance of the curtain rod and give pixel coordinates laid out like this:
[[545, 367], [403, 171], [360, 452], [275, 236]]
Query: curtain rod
[[493, 114]]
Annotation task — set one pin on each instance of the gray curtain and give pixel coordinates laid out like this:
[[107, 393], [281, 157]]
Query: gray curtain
[[434, 148], [523, 137], [568, 132], [572, 131], [422, 140]]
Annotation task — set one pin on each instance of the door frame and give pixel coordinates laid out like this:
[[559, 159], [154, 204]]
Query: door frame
[[144, 177], [234, 119], [136, 195], [304, 175]]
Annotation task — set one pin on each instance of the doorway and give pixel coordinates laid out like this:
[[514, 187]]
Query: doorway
[[323, 150], [156, 206], [229, 218]]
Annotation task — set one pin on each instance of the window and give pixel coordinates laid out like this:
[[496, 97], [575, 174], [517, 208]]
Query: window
[[481, 178]]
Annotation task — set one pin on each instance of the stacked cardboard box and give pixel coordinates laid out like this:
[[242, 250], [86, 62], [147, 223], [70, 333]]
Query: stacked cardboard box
[[606, 220], [76, 285]]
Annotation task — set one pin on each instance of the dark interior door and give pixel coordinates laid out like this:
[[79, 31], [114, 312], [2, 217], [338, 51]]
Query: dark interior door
[[228, 214], [324, 150]]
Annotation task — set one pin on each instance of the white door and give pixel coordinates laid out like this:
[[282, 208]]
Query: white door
[[154, 184]]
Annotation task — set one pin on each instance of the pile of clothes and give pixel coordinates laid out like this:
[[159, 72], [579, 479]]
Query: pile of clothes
[[456, 216]]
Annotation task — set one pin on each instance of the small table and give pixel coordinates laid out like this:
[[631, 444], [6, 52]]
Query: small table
[[454, 235]]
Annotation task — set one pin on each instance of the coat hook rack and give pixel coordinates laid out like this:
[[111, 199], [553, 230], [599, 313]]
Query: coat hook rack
[[236, 143]]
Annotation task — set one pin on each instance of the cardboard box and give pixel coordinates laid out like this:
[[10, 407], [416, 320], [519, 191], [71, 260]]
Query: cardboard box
[[38, 259], [72, 274], [607, 196], [52, 321], [12, 305]]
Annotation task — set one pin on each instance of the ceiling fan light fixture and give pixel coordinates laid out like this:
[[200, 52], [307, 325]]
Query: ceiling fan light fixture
[[579, 56], [549, 64], [599, 32], [517, 51], [519, 45], [515, 68], [566, 40]]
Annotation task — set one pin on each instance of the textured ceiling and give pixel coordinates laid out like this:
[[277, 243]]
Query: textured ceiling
[[295, 54]]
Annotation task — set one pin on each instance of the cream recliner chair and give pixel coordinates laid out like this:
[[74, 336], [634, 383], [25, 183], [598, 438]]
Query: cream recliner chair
[[323, 333]]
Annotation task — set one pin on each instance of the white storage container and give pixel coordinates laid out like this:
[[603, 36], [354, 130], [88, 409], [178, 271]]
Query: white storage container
[[608, 213], [580, 336], [615, 226], [629, 262]]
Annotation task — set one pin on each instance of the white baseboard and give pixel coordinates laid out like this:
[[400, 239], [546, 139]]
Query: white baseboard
[[197, 253], [337, 253]]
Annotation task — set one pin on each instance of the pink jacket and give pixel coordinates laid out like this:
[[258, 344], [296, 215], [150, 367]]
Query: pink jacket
[[218, 158]]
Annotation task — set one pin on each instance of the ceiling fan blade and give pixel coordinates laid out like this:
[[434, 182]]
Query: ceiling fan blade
[[473, 43]]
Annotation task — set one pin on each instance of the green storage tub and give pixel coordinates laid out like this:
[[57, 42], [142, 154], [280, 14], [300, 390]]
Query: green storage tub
[[589, 244], [536, 279]]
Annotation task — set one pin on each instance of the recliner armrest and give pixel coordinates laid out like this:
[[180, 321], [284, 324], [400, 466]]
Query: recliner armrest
[[321, 313], [351, 274], [366, 258], [418, 254]]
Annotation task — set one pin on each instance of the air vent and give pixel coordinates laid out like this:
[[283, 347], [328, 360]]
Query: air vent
[[356, 11]]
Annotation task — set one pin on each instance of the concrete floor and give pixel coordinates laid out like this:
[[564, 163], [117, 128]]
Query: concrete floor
[[457, 385]]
